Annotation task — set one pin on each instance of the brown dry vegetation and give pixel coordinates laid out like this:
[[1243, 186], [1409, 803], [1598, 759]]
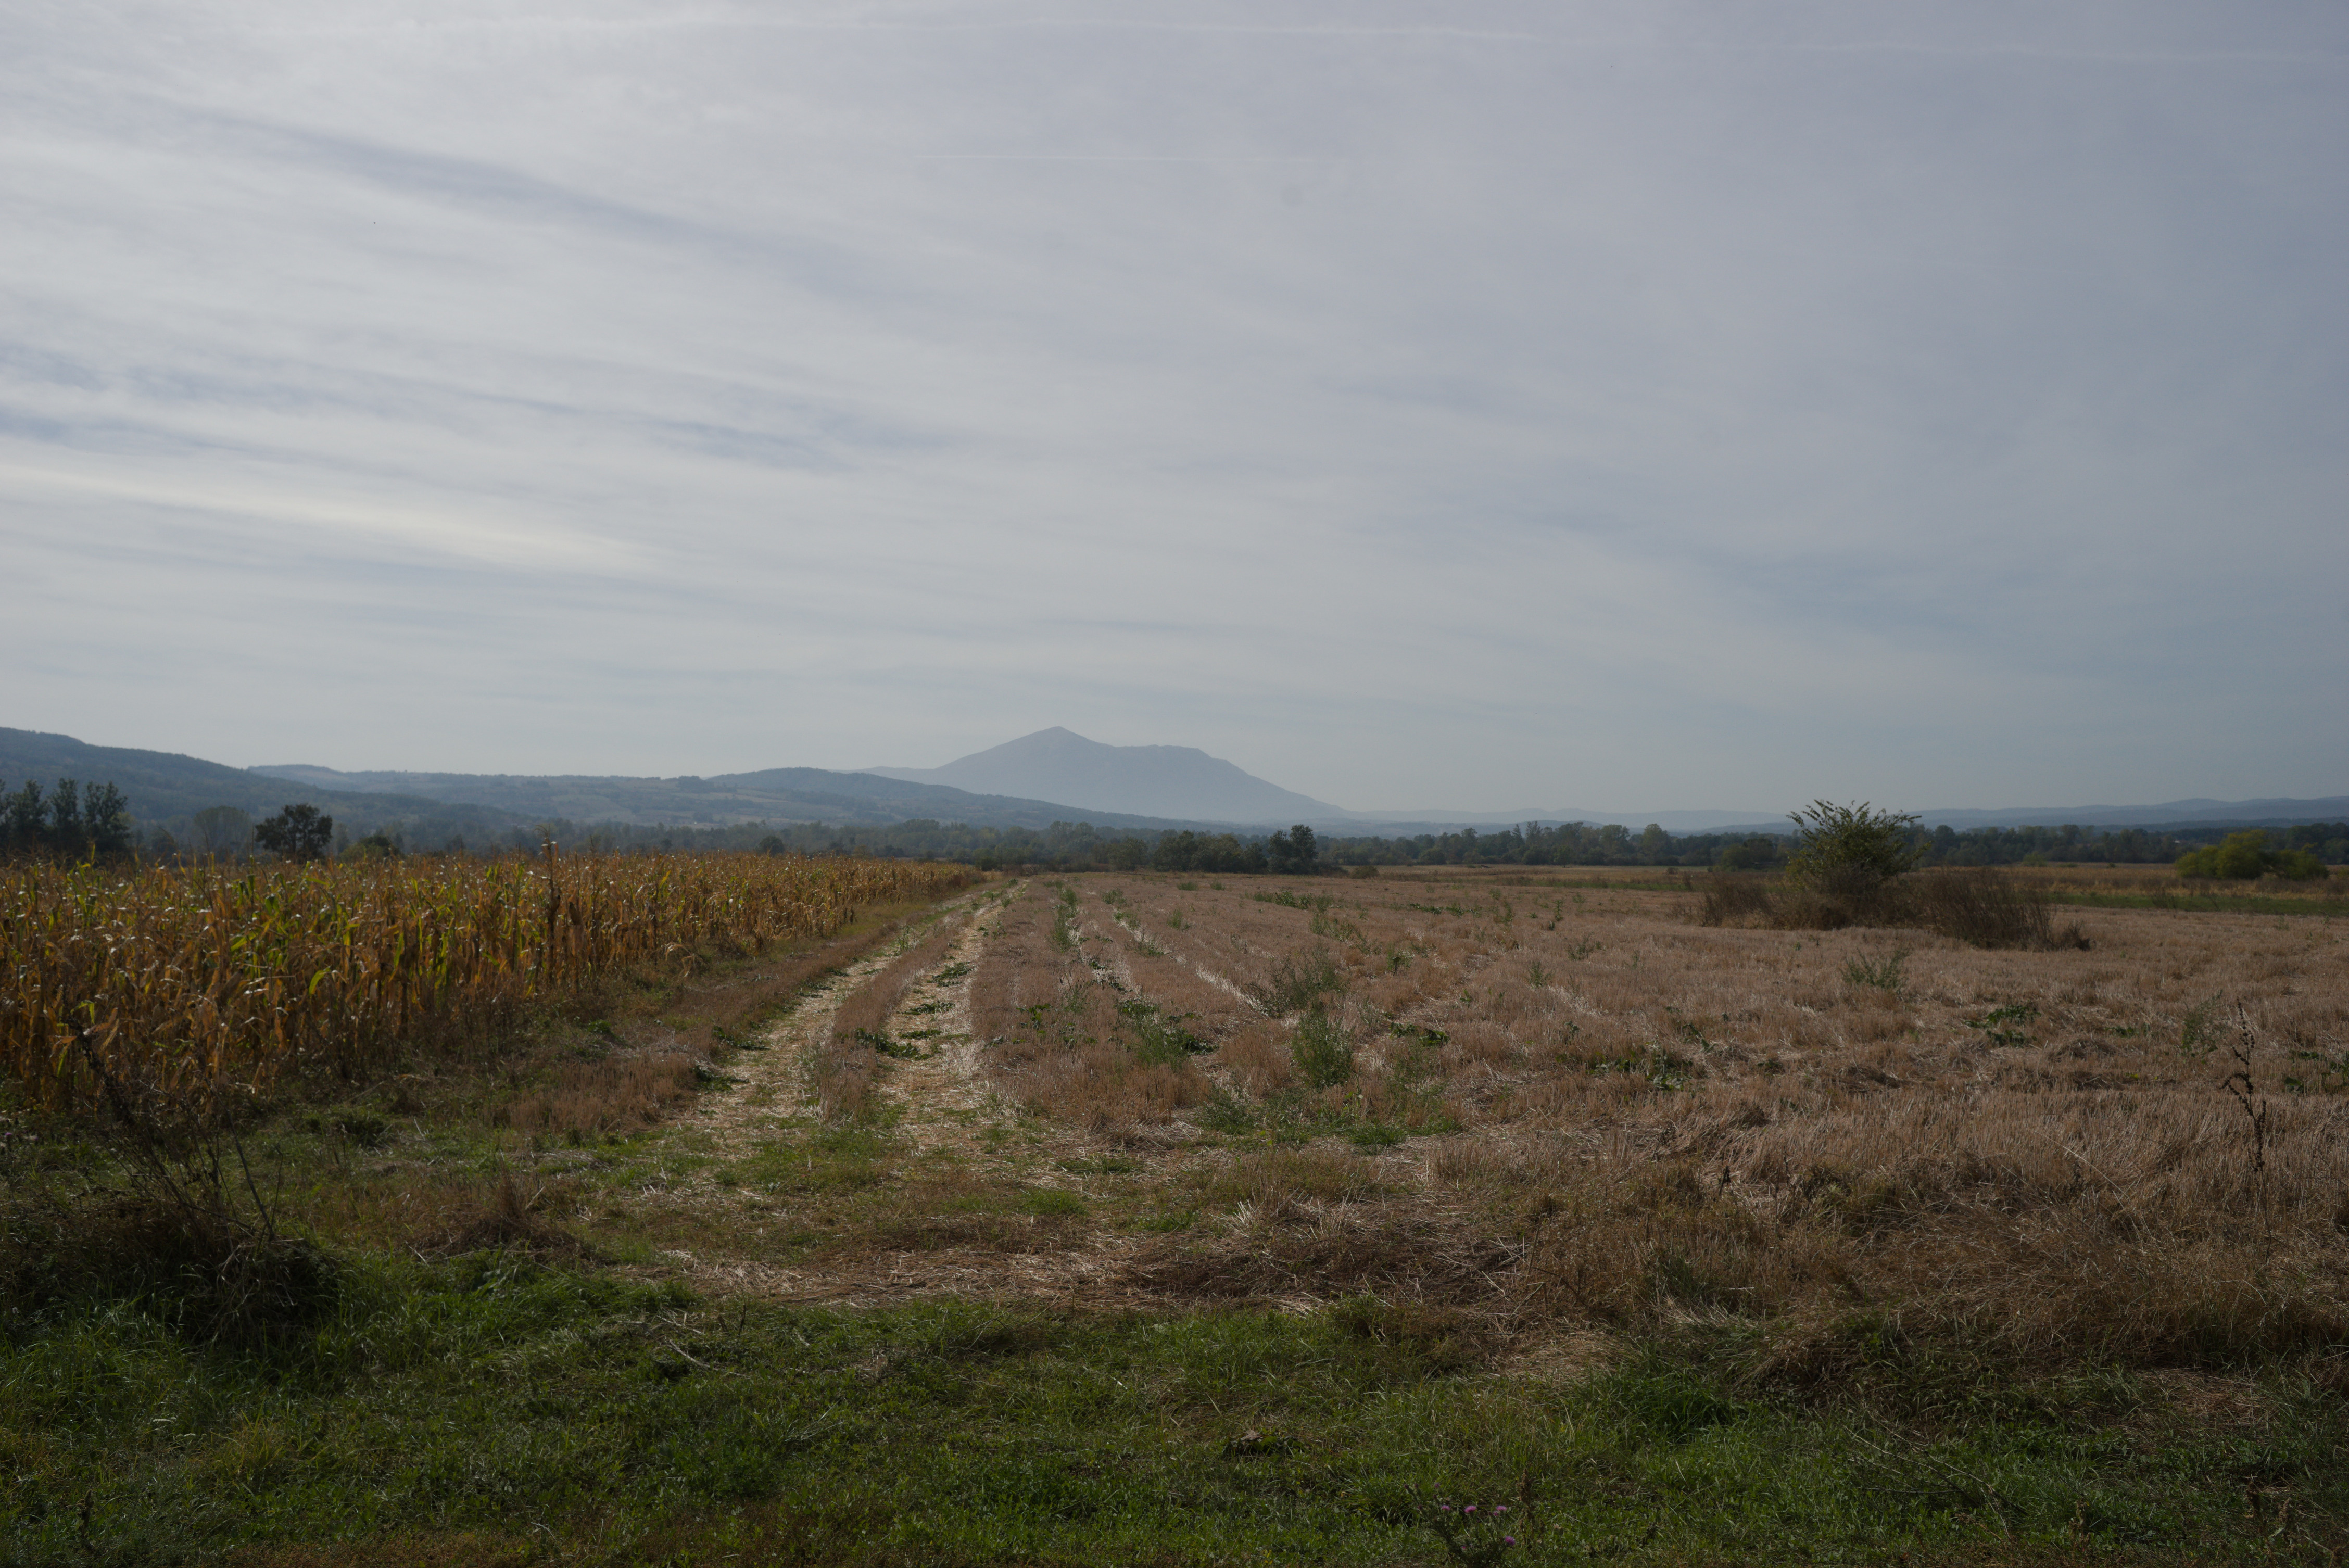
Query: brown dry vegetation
[[1870, 1200], [844, 1064], [1050, 1016], [202, 988], [1627, 1119]]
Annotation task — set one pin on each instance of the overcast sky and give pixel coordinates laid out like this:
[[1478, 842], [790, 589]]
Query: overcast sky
[[1474, 405]]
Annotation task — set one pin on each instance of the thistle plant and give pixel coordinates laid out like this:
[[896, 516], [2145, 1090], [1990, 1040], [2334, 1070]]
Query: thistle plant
[[1474, 1533]]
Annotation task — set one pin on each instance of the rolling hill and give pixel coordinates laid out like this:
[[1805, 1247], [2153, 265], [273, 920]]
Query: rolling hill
[[769, 794], [162, 786], [1052, 775], [1170, 781]]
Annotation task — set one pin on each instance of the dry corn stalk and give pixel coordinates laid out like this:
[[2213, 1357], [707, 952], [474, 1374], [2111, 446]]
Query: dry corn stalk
[[203, 982]]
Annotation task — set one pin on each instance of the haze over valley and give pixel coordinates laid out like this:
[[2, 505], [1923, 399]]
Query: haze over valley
[[1053, 776]]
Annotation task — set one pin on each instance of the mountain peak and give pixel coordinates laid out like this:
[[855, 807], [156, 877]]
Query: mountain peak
[[1177, 781]]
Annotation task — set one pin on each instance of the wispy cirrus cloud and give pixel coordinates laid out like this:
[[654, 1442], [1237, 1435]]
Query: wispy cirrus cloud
[[1622, 405]]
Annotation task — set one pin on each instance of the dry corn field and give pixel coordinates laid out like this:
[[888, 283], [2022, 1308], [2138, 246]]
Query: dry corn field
[[1570, 1110], [196, 985]]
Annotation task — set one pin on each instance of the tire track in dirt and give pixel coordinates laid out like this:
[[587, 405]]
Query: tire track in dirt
[[771, 1081], [942, 1099], [943, 1110]]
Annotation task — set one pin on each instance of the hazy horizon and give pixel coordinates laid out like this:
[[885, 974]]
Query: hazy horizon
[[1628, 407], [1045, 778]]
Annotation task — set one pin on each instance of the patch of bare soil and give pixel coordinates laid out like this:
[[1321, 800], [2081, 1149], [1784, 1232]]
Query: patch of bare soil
[[940, 1102]]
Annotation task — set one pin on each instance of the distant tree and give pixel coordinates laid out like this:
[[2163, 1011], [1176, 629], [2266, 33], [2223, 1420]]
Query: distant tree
[[1849, 850], [69, 823], [2240, 857], [1176, 851], [296, 833], [1186, 850], [24, 820], [65, 831], [1292, 851], [1758, 853], [221, 830], [106, 821]]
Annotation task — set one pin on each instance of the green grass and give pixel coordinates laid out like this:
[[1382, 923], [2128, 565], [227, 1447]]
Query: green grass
[[628, 1422], [490, 1408]]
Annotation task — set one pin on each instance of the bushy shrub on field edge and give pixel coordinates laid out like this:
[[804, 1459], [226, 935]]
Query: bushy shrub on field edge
[[2245, 856], [1849, 852], [1979, 905]]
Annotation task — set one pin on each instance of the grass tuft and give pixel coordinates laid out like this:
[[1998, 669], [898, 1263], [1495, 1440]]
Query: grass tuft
[[1297, 980]]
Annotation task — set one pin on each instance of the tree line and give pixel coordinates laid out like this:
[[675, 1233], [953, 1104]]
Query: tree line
[[1581, 843], [92, 822], [85, 821], [69, 823]]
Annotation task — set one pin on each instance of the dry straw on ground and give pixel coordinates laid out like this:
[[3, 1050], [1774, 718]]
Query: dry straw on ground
[[2034, 1150]]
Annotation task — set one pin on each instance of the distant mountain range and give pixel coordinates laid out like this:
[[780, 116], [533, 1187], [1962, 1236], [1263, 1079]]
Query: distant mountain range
[[162, 785], [771, 795], [1148, 780], [1183, 781], [1050, 775], [2269, 813]]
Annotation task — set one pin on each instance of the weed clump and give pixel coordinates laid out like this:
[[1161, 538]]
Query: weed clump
[[1298, 980], [1414, 1337], [1738, 898], [1161, 1041], [1322, 1053], [1881, 973], [510, 1220], [172, 1222], [209, 1273], [1980, 906], [1983, 908], [587, 1099]]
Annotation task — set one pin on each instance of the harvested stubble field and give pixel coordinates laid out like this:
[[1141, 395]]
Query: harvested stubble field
[[1158, 1219]]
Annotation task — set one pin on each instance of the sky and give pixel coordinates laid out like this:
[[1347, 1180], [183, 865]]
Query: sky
[[1481, 405]]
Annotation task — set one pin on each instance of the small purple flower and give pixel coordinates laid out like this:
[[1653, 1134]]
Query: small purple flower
[[1508, 1540], [1445, 1506], [1470, 1509], [1501, 1508]]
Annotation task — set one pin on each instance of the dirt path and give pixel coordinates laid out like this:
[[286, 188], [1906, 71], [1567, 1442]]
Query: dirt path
[[943, 1112], [945, 1186], [771, 1081], [942, 1100]]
